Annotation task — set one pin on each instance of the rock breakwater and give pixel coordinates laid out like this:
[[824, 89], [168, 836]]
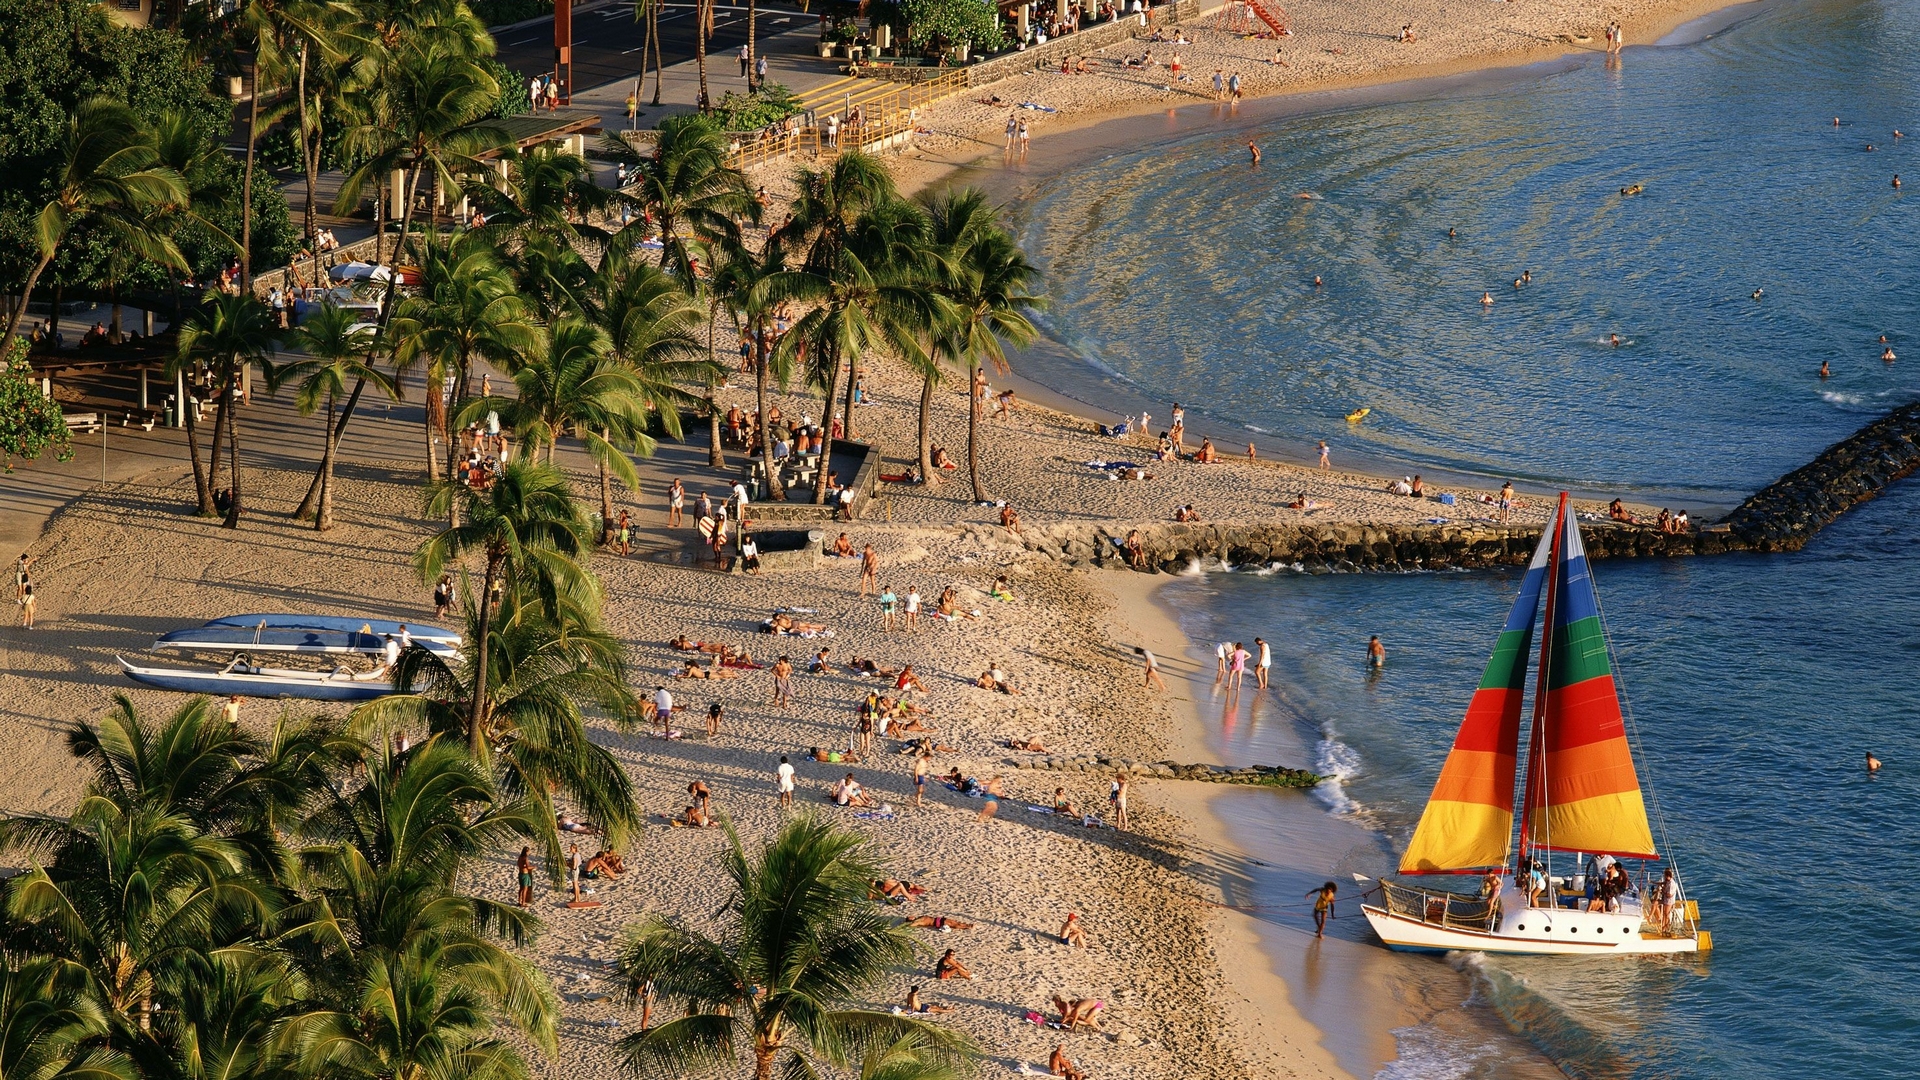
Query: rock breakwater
[[1268, 775], [1781, 517]]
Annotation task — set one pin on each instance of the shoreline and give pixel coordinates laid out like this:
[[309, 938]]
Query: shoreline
[[1083, 135], [1370, 1011]]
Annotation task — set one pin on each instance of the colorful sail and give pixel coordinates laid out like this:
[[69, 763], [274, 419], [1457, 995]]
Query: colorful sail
[[1468, 823], [1583, 794]]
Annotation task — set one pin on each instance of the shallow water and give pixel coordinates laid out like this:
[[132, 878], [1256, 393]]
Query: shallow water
[[1758, 681], [1711, 393]]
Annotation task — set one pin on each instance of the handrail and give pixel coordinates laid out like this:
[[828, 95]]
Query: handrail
[[884, 117]]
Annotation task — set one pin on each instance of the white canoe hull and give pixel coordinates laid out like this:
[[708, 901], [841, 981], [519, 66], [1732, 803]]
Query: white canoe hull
[[1532, 932], [262, 683]]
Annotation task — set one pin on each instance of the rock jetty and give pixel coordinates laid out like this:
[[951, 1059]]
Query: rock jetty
[[1781, 517], [1269, 775]]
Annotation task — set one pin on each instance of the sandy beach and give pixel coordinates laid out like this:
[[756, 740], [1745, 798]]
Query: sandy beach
[[1197, 981]]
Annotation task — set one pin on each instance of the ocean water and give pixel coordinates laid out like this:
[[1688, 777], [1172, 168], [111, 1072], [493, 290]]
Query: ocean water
[[1747, 185], [1757, 682]]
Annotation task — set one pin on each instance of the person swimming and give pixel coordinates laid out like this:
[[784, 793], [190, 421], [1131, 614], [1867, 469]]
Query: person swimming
[[1758, 293], [1824, 373], [1873, 763], [1614, 340], [1486, 299]]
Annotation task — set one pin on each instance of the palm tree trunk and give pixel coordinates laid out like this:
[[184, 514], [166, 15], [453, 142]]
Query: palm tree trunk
[[233, 452], [760, 374], [246, 179], [973, 434], [213, 456], [26, 293], [702, 16], [653, 33], [324, 519], [306, 160], [832, 358], [323, 475], [436, 417], [477, 712], [753, 53], [202, 487], [853, 380], [606, 495], [927, 472], [763, 1062], [716, 454]]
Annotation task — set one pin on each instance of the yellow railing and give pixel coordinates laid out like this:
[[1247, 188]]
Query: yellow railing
[[883, 116]]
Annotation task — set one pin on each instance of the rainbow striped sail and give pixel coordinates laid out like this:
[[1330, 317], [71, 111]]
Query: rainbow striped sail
[[1468, 823], [1582, 791]]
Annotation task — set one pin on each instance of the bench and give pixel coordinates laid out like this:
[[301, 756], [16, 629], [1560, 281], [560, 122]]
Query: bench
[[84, 423]]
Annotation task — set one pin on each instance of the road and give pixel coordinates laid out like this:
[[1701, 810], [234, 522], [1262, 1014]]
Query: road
[[607, 41]]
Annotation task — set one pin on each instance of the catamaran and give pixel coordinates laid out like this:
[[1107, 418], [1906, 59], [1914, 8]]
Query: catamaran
[[1581, 797]]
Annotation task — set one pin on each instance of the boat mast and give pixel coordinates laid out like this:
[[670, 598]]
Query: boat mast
[[1536, 786]]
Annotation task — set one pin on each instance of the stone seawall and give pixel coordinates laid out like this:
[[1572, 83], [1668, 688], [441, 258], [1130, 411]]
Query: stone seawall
[[1781, 517]]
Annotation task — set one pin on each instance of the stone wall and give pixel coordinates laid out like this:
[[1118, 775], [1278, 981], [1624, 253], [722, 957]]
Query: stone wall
[[1787, 513], [1048, 56]]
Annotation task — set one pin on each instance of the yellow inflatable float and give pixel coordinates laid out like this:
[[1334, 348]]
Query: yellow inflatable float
[[1357, 415]]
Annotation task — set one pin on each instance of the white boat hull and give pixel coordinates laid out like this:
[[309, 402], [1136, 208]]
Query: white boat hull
[[1533, 932]]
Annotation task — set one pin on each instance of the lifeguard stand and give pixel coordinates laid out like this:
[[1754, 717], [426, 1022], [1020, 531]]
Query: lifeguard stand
[[1245, 17]]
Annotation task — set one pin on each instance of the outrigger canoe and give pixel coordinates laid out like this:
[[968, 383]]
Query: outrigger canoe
[[338, 685]]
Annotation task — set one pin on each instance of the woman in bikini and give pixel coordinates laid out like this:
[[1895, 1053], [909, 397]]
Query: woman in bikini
[[994, 792]]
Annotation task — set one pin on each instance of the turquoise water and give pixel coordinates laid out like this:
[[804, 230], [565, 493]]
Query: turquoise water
[[1758, 682], [1748, 185]]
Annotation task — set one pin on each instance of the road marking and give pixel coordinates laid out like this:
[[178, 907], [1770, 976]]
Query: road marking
[[635, 49], [527, 41]]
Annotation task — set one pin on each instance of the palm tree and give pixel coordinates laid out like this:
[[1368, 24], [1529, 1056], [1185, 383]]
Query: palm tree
[[870, 291], [109, 174], [146, 875], [529, 532], [47, 1021], [751, 287], [466, 309], [688, 187], [547, 665], [799, 943], [417, 979], [229, 333], [987, 283], [648, 319], [545, 190], [335, 345]]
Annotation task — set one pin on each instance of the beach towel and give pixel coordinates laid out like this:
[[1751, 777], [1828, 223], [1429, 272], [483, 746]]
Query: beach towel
[[1036, 1018], [1117, 431], [1037, 107], [876, 815]]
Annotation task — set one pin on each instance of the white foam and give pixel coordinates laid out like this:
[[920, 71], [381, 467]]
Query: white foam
[[1834, 398], [1426, 1053]]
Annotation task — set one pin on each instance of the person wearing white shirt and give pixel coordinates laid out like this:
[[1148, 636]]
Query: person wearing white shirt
[[783, 777], [663, 705], [392, 653], [913, 610], [406, 637], [1263, 667], [740, 496]]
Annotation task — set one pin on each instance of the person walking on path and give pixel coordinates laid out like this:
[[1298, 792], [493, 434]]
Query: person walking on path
[[759, 72], [869, 570], [21, 566], [676, 503], [783, 779], [525, 877], [26, 605], [746, 59]]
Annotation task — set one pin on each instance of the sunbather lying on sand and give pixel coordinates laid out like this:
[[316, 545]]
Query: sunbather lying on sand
[[1031, 745], [937, 922], [786, 624], [693, 670], [868, 667]]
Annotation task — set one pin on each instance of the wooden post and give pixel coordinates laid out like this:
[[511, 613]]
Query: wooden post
[[143, 380], [563, 48]]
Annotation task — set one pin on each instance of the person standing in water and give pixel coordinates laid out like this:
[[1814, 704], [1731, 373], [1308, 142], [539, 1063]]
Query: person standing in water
[[1376, 652], [1873, 763], [1323, 906], [1324, 466], [1255, 152]]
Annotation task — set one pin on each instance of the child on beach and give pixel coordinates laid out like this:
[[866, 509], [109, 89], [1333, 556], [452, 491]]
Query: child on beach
[[1322, 907]]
